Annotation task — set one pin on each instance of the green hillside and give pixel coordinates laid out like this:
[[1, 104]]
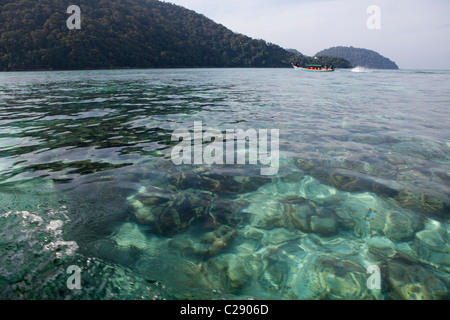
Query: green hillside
[[124, 34]]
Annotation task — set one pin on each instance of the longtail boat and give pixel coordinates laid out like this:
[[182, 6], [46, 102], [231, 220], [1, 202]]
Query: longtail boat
[[315, 67]]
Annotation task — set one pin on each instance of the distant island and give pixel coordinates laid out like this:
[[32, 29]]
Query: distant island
[[359, 57], [331, 60], [118, 34]]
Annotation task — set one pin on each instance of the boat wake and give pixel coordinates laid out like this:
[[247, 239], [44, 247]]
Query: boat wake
[[361, 69]]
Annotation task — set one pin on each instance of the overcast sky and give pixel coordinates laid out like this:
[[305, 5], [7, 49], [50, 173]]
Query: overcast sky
[[414, 33]]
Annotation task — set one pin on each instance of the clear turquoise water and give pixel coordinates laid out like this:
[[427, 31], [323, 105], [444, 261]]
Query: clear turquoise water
[[86, 179]]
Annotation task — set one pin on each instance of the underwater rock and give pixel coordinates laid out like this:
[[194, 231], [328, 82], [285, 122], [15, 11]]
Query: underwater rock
[[150, 196], [443, 175], [353, 175], [215, 271], [129, 235], [344, 281], [408, 180], [304, 282], [219, 240], [242, 268], [414, 282], [324, 224], [396, 225], [317, 168], [349, 219], [252, 233], [229, 211], [407, 251], [358, 166], [276, 268], [218, 182], [144, 199], [195, 195], [426, 150], [311, 188], [330, 277], [375, 139], [171, 213], [397, 161], [429, 203], [304, 215], [352, 181], [381, 248], [432, 244], [205, 245], [268, 216], [292, 176], [419, 177], [305, 164], [346, 181], [144, 215], [299, 211], [279, 236], [230, 272]]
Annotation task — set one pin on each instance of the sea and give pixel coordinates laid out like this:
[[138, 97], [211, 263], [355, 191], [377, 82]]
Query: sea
[[93, 205]]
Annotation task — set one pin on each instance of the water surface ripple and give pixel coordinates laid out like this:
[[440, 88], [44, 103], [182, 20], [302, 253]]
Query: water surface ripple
[[86, 179]]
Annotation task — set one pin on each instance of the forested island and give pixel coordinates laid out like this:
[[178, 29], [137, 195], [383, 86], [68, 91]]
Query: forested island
[[359, 57], [336, 62], [126, 34], [134, 34]]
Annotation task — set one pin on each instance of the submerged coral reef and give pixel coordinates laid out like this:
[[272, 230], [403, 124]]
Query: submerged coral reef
[[288, 237]]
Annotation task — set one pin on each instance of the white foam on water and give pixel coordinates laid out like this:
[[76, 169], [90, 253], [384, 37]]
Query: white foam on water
[[361, 69], [34, 225]]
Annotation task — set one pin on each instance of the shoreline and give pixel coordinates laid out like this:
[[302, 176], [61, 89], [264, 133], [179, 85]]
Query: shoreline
[[193, 67]]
